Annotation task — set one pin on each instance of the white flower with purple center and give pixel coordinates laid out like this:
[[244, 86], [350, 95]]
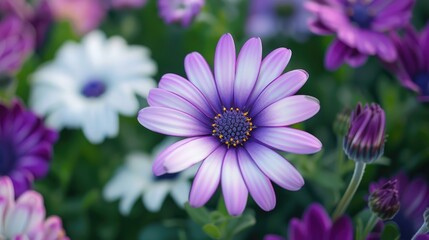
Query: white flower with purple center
[[89, 84], [135, 179], [233, 122]]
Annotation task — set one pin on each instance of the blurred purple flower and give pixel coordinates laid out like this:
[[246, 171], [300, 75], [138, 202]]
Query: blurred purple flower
[[412, 65], [316, 224], [128, 3], [179, 11], [360, 27], [413, 198], [24, 218], [364, 142], [271, 17], [384, 201], [233, 121], [25, 146], [41, 20], [84, 15], [16, 35]]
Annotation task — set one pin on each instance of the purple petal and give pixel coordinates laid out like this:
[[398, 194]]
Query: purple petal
[[233, 187], [342, 229], [318, 222], [288, 140], [336, 54], [288, 111], [162, 98], [275, 167], [259, 185], [184, 88], [200, 75], [171, 122], [296, 230], [190, 153], [158, 165], [207, 178], [273, 237], [284, 86], [272, 66], [224, 65], [248, 64], [37, 166]]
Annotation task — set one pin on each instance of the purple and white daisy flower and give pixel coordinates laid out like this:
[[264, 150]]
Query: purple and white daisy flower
[[179, 11], [135, 179], [412, 65], [233, 121], [359, 27], [88, 84], [25, 146], [24, 218]]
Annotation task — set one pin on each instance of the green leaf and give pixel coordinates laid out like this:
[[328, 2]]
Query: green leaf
[[239, 224], [201, 215], [212, 230], [390, 232]]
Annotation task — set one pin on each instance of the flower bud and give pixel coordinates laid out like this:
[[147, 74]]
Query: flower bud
[[384, 201], [364, 141]]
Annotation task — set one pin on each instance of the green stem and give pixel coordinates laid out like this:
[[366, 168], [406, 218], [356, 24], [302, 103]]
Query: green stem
[[351, 190], [340, 154], [369, 225], [422, 230]]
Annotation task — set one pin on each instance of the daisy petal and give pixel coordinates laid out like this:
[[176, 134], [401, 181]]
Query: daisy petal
[[248, 64], [200, 75], [158, 165], [224, 65], [207, 178], [272, 66], [184, 88], [162, 98], [189, 153], [284, 86], [171, 122], [288, 140], [258, 184], [233, 187], [275, 167], [288, 111], [154, 197]]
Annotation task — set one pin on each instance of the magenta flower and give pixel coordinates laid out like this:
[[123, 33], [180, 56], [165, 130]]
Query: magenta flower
[[412, 65], [179, 11], [359, 27], [16, 35], [364, 141], [413, 198], [25, 217], [25, 146], [316, 224], [233, 121]]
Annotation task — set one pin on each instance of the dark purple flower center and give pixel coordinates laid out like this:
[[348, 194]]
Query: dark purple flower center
[[93, 89], [7, 157], [232, 127], [360, 15], [422, 80], [168, 176]]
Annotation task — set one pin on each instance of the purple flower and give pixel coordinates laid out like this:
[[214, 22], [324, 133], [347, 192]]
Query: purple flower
[[233, 121], [179, 11], [316, 224], [17, 36], [412, 65], [364, 141], [413, 198], [128, 3], [359, 27], [25, 146], [384, 201], [268, 18]]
